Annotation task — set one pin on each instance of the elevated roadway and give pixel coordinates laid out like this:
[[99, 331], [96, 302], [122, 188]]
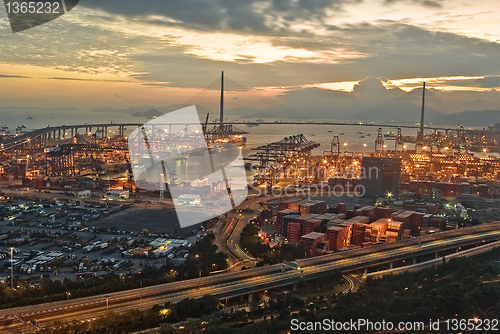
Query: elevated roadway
[[250, 281]]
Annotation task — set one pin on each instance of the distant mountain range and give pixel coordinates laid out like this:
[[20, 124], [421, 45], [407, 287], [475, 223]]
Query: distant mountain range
[[475, 118], [242, 113], [410, 113], [402, 112], [148, 114]]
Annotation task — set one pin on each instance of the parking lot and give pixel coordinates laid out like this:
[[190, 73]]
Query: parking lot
[[60, 238]]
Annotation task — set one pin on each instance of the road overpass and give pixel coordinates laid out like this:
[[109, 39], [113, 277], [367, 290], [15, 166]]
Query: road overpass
[[251, 281]]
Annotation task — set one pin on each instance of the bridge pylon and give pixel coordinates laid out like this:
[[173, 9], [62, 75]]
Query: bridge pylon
[[379, 142]]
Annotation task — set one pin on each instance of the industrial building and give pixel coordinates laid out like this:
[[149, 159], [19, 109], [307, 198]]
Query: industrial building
[[380, 176]]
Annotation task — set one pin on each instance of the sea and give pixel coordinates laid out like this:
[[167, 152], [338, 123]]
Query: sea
[[354, 135]]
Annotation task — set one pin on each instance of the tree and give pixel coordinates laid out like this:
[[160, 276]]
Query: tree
[[188, 308], [208, 304]]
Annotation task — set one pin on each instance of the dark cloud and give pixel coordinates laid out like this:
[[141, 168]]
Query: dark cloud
[[84, 79], [426, 3], [60, 78], [223, 15], [12, 76]]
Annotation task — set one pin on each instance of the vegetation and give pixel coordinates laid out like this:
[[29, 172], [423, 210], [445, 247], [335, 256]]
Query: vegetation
[[253, 244], [288, 252], [204, 258]]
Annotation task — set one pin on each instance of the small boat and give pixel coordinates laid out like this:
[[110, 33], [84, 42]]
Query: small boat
[[180, 157], [341, 133], [360, 133], [330, 131], [389, 134]]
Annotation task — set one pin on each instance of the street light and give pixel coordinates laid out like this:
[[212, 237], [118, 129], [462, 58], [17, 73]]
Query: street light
[[107, 302], [68, 294], [107, 305], [12, 268], [199, 282]]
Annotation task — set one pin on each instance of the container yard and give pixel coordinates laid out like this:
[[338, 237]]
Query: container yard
[[337, 227]]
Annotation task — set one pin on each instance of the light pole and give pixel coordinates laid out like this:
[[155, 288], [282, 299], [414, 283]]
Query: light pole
[[107, 307], [12, 268], [364, 148], [199, 282]]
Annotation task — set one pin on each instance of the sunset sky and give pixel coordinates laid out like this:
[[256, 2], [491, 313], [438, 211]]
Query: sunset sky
[[129, 53]]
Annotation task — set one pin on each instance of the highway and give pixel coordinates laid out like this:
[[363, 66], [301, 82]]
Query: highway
[[221, 238], [252, 280], [229, 238], [233, 242]]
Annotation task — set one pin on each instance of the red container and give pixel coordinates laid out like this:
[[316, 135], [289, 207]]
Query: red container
[[310, 225], [294, 232], [341, 208]]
